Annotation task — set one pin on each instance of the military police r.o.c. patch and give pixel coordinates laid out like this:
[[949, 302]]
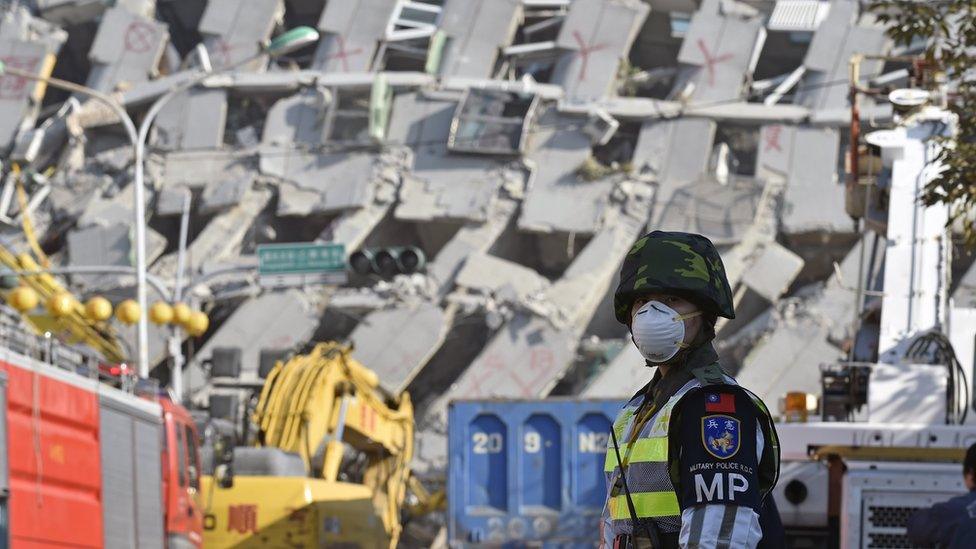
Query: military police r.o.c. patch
[[720, 435]]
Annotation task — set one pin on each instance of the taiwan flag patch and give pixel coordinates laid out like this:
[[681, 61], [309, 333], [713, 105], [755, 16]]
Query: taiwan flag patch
[[720, 402]]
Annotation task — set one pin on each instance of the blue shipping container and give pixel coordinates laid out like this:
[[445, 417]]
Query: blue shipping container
[[527, 471]]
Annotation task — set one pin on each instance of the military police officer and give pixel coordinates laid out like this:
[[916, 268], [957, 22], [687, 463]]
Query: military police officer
[[693, 456]]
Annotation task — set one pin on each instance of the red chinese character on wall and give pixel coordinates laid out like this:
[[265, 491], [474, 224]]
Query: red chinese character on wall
[[242, 518]]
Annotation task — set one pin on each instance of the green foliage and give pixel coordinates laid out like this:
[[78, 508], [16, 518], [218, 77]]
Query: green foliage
[[948, 29], [593, 170]]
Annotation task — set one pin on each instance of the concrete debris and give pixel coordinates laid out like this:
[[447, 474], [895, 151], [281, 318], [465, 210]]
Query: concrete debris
[[622, 377], [807, 334], [351, 33], [596, 35], [197, 169], [530, 352], [723, 47], [842, 34], [127, 49], [422, 326], [476, 31], [192, 120], [108, 245], [233, 31], [279, 321], [522, 146], [558, 199], [223, 194], [20, 98], [222, 238]]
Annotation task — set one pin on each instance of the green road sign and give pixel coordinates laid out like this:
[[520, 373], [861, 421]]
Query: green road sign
[[301, 263]]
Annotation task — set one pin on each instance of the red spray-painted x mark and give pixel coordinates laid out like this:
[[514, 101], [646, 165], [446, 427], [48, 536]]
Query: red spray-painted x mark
[[711, 61], [771, 140], [222, 52], [343, 54], [584, 51]]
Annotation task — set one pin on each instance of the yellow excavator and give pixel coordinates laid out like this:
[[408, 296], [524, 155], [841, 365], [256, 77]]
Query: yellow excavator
[[329, 466]]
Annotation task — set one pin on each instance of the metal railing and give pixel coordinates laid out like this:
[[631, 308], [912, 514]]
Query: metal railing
[[45, 348]]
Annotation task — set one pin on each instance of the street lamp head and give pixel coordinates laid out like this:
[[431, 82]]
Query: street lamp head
[[295, 39]]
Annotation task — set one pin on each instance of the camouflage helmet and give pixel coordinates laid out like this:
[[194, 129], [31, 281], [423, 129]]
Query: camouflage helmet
[[670, 262]]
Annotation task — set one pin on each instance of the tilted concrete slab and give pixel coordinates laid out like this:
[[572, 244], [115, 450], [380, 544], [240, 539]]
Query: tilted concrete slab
[[169, 200], [442, 185], [622, 377], [476, 30], [99, 245], [394, 342], [232, 30], [126, 50], [674, 152], [420, 326], [789, 357], [495, 276], [557, 199], [788, 360], [772, 272], [193, 120], [274, 320], [810, 157], [73, 12], [597, 35], [20, 97], [296, 120], [839, 36], [529, 354], [18, 23], [108, 210], [722, 47], [723, 213], [224, 194], [351, 33], [221, 239], [197, 169], [320, 183]]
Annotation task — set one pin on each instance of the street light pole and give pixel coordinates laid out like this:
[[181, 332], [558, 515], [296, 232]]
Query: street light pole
[[139, 211], [285, 43]]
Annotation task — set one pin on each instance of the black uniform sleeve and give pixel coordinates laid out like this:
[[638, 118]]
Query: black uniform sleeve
[[714, 437]]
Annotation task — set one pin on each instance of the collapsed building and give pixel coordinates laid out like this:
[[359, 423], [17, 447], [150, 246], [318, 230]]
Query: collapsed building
[[521, 145]]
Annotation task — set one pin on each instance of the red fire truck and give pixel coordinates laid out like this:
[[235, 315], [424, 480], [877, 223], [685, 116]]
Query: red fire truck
[[90, 461]]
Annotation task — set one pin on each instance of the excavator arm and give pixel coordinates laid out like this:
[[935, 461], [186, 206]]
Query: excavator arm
[[329, 409]]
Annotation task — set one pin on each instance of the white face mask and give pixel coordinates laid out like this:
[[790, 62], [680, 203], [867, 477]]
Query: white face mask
[[659, 331]]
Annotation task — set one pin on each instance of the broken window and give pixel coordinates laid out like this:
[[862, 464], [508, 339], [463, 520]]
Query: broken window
[[679, 23], [349, 116], [790, 31], [408, 34], [652, 64], [534, 52], [735, 150], [491, 122]]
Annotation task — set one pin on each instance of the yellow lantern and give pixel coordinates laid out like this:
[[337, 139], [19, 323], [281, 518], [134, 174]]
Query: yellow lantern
[[22, 298], [161, 313], [60, 304], [198, 324], [98, 308], [181, 314], [128, 312]]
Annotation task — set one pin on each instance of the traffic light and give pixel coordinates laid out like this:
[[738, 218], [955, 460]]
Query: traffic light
[[387, 262]]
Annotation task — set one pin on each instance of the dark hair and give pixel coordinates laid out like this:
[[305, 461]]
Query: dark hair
[[969, 464]]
